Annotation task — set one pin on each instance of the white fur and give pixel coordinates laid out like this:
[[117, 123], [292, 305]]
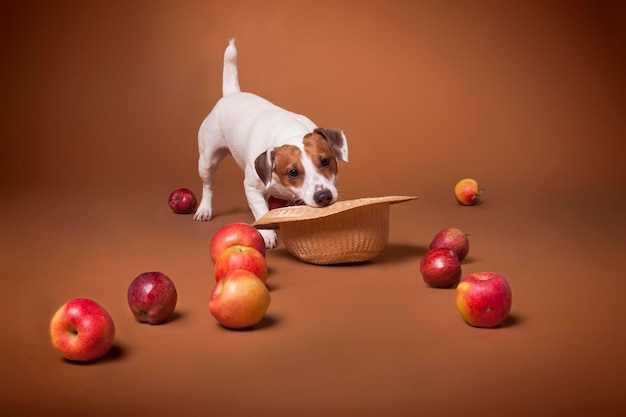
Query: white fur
[[246, 125]]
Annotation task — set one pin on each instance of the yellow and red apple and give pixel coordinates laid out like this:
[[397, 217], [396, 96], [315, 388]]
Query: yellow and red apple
[[484, 299], [467, 192], [82, 330], [237, 233], [241, 257], [239, 300]]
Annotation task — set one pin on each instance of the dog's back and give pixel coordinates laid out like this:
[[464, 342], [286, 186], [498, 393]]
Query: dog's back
[[239, 115], [262, 123]]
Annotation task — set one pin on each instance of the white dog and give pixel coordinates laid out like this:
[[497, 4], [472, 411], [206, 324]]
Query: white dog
[[283, 155]]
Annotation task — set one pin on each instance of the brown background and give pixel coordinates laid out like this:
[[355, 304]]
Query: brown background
[[102, 102]]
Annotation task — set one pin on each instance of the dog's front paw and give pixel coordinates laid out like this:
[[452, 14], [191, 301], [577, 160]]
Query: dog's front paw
[[203, 214], [270, 238]]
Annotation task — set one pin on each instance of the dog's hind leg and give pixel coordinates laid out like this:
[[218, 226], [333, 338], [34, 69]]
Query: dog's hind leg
[[212, 151]]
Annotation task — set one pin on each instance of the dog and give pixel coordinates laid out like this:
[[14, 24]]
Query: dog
[[283, 155]]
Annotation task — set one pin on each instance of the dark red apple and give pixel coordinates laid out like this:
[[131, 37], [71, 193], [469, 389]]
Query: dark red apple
[[152, 297], [275, 203], [454, 239], [440, 268], [183, 201]]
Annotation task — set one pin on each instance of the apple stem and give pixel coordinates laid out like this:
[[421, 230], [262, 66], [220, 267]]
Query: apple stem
[[478, 195]]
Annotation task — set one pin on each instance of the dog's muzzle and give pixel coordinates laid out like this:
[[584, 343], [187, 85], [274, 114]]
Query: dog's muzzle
[[323, 198]]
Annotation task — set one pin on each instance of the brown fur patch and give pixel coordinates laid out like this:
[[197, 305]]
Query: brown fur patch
[[322, 155], [286, 159]]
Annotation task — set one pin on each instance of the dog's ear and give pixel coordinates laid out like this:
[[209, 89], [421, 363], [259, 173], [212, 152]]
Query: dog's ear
[[337, 141], [264, 165]]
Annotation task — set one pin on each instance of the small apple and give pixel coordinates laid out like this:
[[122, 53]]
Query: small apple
[[236, 233], [152, 297], [239, 300], [241, 257], [274, 203], [483, 299], [183, 201], [82, 330], [467, 192], [454, 239], [440, 268]]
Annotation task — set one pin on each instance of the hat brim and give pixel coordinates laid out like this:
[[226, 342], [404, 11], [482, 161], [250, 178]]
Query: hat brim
[[273, 218]]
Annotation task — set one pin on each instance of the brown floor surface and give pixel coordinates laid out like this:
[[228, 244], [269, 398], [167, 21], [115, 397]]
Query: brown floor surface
[[527, 97]]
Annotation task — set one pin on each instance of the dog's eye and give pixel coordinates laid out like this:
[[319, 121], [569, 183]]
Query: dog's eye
[[325, 162], [293, 173]]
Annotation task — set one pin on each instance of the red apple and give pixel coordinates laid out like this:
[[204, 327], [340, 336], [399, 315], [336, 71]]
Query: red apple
[[82, 330], [241, 257], [152, 297], [467, 192], [275, 203], [239, 300], [483, 299], [440, 268], [183, 201], [237, 233], [454, 239]]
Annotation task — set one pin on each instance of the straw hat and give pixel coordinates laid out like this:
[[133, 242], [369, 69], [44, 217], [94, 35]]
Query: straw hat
[[344, 232]]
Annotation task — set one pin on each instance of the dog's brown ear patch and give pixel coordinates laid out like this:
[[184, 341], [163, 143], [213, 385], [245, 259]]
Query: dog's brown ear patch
[[264, 165], [337, 141]]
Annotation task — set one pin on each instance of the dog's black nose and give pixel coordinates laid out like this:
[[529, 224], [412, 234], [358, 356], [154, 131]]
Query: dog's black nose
[[323, 198]]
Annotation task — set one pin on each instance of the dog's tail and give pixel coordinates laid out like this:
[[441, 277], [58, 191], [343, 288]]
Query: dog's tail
[[230, 76]]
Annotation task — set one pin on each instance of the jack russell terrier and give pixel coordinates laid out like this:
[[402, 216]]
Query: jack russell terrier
[[284, 155]]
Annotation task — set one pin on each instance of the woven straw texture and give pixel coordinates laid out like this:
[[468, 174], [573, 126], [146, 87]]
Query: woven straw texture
[[345, 232]]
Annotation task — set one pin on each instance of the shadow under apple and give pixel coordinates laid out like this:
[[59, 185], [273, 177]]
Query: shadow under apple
[[175, 316], [511, 321], [117, 352], [399, 252], [266, 322]]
